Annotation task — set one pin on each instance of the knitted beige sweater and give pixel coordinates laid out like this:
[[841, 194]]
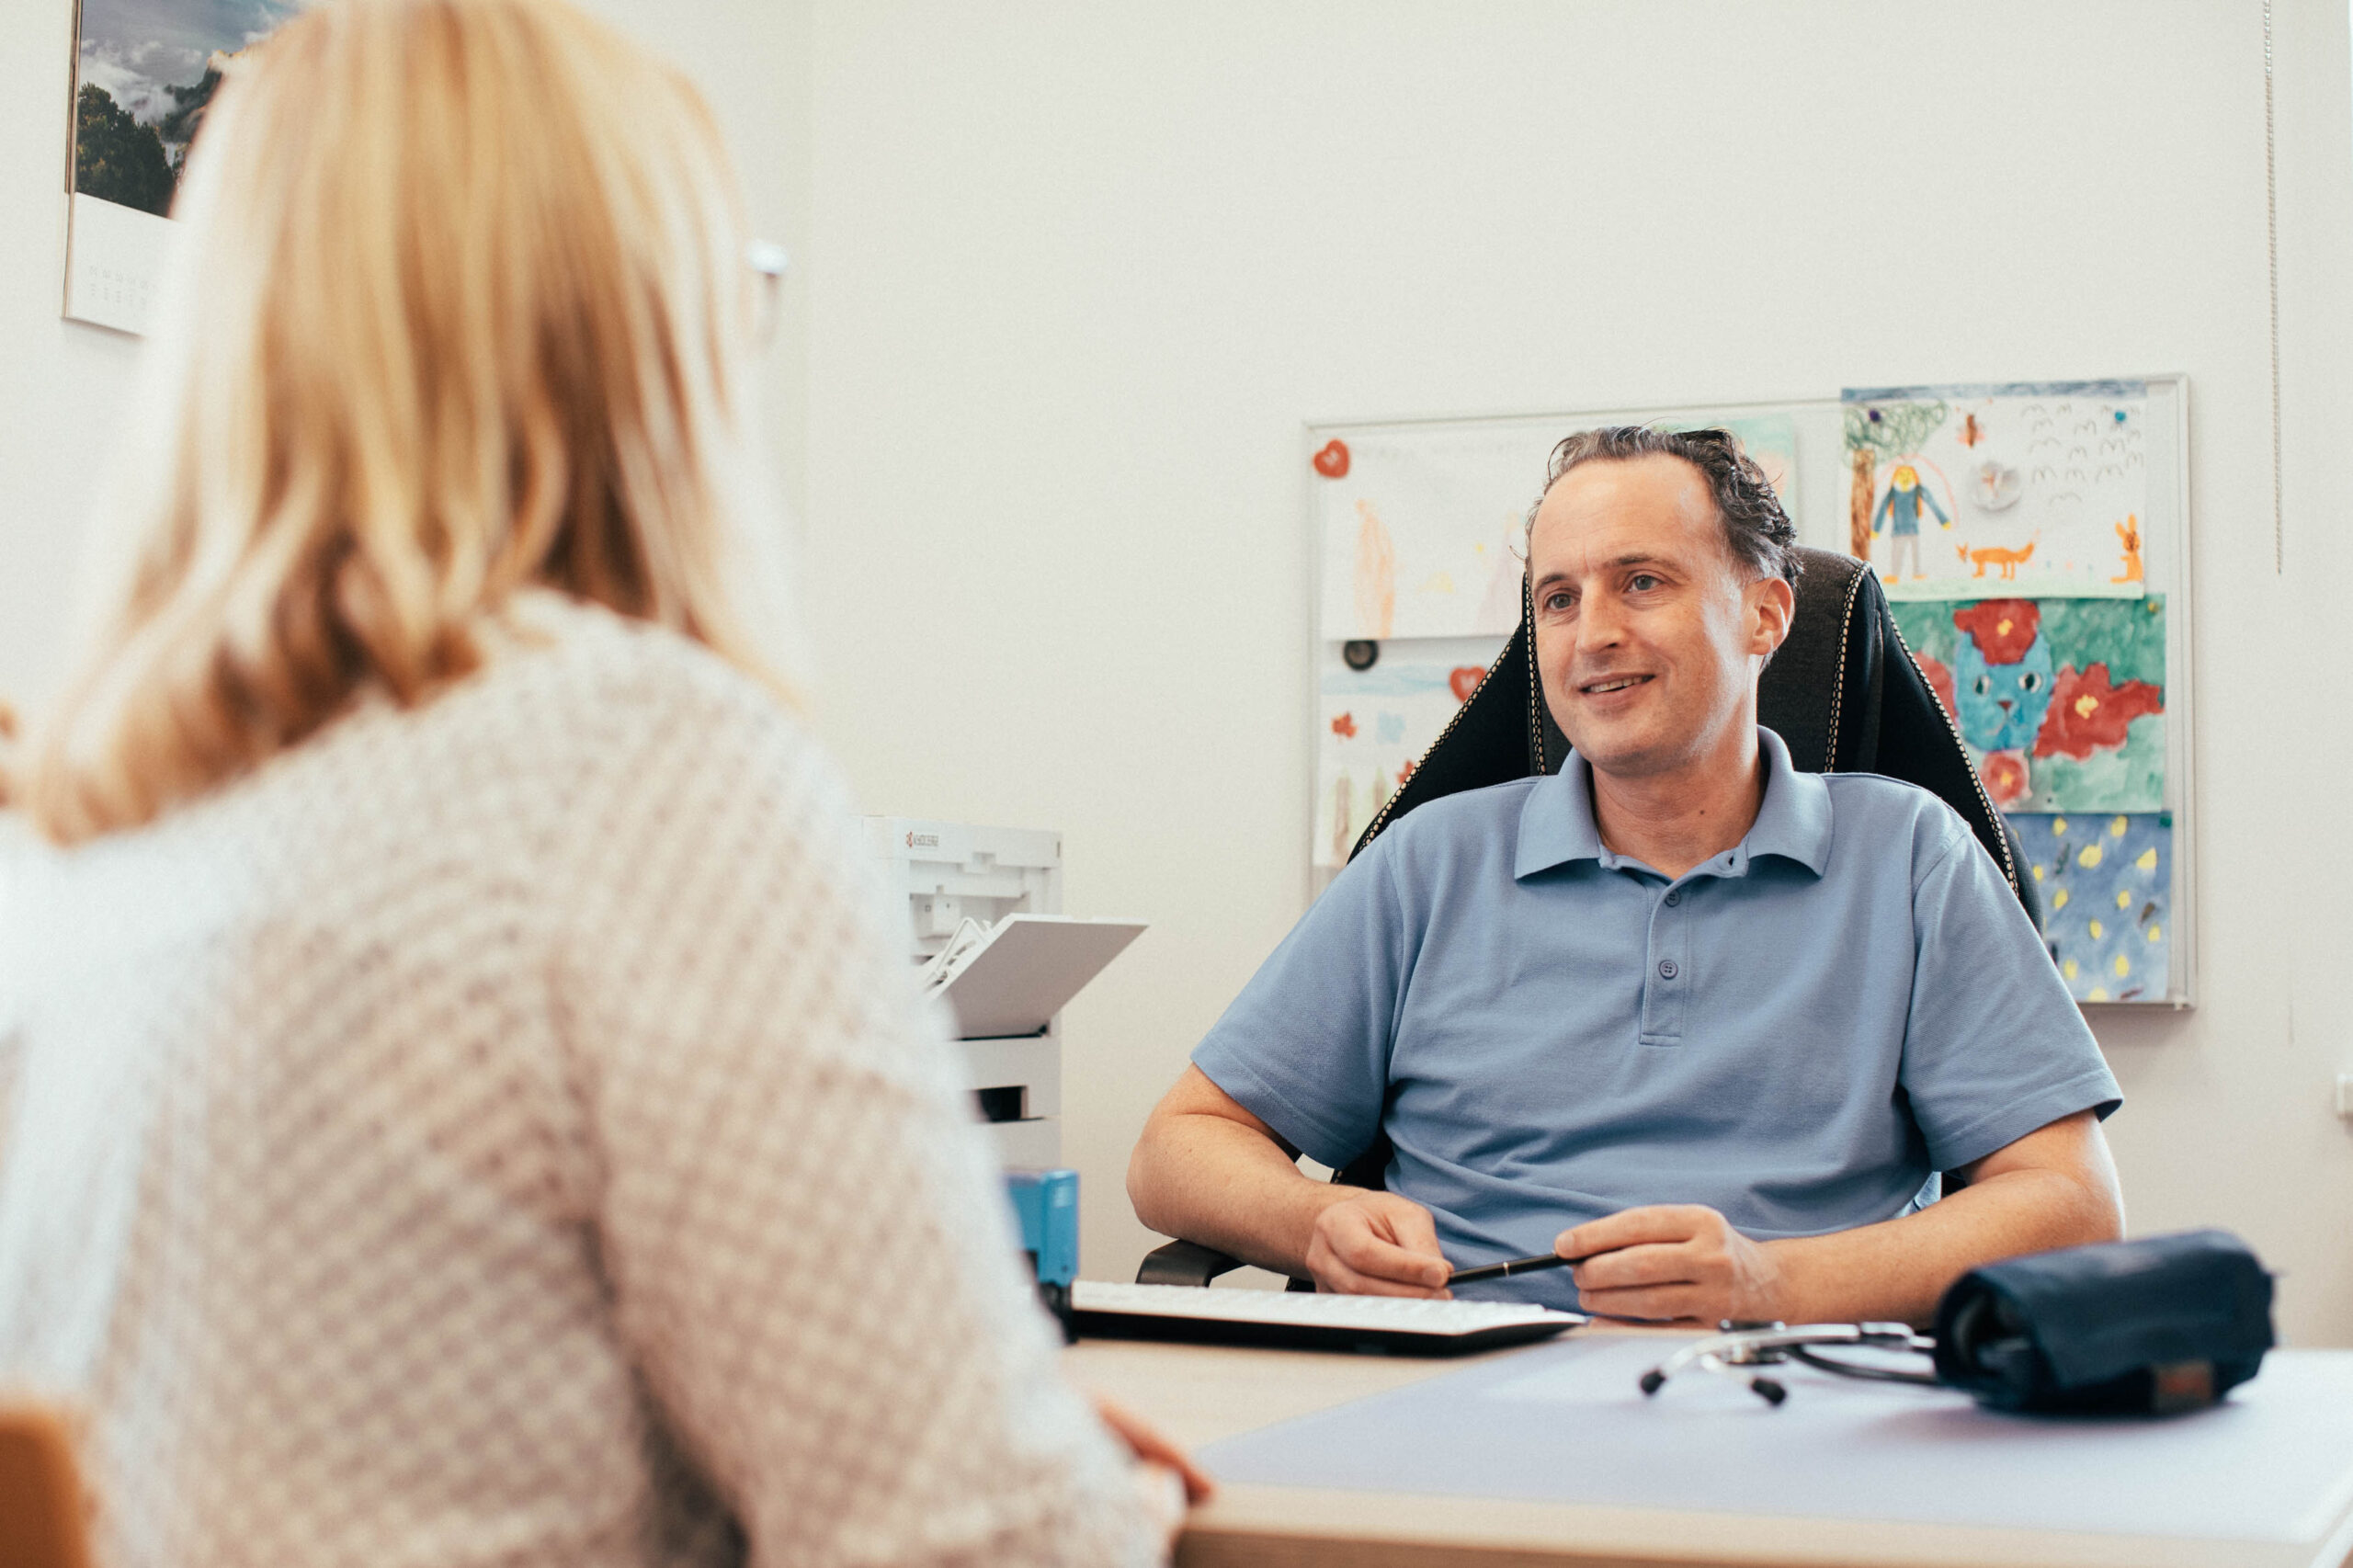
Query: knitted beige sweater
[[504, 1132]]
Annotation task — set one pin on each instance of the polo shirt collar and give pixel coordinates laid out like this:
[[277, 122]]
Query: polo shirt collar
[[1556, 823]]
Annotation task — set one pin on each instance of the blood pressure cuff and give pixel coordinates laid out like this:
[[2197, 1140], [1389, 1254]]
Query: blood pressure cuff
[[2166, 1324]]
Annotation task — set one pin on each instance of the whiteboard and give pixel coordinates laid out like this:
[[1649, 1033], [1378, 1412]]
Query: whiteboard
[[1413, 528]]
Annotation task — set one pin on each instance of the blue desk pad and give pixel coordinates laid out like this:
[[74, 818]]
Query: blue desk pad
[[1566, 1423]]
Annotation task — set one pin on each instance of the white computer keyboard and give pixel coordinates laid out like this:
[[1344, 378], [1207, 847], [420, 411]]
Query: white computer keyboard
[[1281, 1317]]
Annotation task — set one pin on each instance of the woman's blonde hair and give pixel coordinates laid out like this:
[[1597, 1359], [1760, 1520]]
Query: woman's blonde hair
[[462, 309]]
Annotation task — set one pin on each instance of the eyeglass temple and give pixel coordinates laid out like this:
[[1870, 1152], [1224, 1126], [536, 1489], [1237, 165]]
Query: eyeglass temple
[[1739, 1348]]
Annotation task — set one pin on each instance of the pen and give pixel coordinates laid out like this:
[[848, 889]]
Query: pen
[[1506, 1270]]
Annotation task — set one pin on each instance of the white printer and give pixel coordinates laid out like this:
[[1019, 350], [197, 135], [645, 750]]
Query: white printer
[[985, 905]]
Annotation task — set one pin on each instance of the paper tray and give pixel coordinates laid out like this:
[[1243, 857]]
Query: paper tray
[[1027, 968]]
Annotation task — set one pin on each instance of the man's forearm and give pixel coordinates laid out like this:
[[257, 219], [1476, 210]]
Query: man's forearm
[[1899, 1268], [1216, 1182]]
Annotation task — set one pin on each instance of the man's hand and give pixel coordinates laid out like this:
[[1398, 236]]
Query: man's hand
[[1672, 1261], [1377, 1243]]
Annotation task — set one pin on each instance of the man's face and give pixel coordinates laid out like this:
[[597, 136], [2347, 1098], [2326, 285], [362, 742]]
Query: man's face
[[1647, 634]]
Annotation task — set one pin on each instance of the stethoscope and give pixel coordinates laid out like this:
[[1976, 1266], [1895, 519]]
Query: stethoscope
[[1745, 1345]]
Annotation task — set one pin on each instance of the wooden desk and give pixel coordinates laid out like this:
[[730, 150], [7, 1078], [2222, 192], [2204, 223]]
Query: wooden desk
[[1201, 1393]]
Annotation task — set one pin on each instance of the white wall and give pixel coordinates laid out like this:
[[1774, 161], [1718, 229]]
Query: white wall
[[62, 382], [1086, 267]]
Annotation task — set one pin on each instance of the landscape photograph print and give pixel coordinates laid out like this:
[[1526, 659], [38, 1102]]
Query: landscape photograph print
[[143, 73]]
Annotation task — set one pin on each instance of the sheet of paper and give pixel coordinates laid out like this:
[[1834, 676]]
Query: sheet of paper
[[1566, 1423], [1421, 528], [2028, 488], [114, 259], [1373, 725], [2059, 702], [2106, 887], [1422, 525]]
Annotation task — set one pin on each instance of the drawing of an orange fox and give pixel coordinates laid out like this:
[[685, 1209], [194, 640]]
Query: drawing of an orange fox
[[2129, 530], [2009, 561]]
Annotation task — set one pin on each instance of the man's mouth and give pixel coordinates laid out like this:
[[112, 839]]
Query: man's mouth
[[1608, 684]]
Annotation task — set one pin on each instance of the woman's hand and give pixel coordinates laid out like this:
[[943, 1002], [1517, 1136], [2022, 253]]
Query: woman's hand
[[1155, 1453]]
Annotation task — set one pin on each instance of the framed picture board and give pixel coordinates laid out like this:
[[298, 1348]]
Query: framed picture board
[[144, 73], [2000, 499]]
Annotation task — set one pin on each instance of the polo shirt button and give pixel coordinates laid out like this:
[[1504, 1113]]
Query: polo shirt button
[[1673, 899], [1666, 969]]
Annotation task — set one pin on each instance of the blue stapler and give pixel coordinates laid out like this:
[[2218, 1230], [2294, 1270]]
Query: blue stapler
[[1045, 1203]]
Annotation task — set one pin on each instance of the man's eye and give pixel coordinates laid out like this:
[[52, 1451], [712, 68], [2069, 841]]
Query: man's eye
[[1557, 601], [1642, 582]]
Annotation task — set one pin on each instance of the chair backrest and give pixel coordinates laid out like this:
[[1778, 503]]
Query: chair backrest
[[42, 1519], [1843, 693]]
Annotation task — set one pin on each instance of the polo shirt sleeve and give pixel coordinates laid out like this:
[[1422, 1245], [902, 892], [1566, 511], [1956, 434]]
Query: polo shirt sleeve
[[1305, 1047], [1994, 1048]]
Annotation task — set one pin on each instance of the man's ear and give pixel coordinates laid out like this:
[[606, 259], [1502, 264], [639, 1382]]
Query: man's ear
[[1771, 603]]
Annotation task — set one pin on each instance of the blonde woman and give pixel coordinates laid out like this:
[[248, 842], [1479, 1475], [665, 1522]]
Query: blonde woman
[[463, 1103]]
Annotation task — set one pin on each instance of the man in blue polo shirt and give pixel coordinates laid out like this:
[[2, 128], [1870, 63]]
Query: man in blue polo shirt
[[1680, 1010]]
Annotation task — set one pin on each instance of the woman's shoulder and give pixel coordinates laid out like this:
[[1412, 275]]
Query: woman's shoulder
[[689, 805], [620, 659], [605, 679], [575, 714], [577, 690]]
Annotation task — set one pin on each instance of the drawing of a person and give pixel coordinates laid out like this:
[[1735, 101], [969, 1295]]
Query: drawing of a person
[[1899, 518]]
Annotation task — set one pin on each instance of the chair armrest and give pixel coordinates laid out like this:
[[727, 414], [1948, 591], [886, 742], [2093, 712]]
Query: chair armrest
[[1184, 1263]]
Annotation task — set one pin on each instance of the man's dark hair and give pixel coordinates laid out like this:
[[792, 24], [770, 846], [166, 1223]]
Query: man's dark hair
[[1757, 531]]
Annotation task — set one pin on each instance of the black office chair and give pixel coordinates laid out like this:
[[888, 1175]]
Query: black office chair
[[1843, 692]]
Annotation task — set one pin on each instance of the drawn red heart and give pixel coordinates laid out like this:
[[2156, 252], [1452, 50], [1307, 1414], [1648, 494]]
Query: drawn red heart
[[1332, 463], [1465, 679]]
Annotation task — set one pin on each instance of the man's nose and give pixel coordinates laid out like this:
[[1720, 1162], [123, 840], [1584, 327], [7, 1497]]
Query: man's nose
[[1599, 625]]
